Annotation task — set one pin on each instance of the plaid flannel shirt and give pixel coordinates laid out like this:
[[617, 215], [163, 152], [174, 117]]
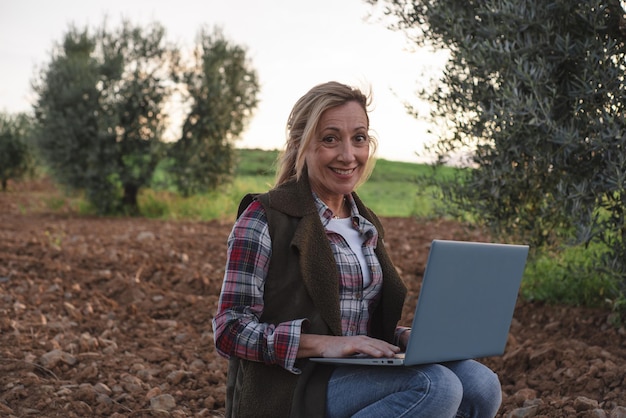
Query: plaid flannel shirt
[[237, 329]]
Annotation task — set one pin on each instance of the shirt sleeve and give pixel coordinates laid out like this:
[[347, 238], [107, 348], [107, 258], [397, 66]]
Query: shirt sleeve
[[237, 327], [396, 338]]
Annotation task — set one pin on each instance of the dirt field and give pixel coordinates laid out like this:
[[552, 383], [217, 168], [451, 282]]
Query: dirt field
[[112, 318]]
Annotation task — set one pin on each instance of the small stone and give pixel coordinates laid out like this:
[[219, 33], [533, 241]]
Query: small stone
[[583, 403], [595, 413], [527, 412], [154, 354], [163, 402], [145, 235], [618, 412], [523, 395], [102, 388], [4, 409], [153, 393], [176, 377], [52, 358]]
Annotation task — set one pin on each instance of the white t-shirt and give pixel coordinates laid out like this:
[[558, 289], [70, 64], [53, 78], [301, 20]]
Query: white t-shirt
[[343, 226]]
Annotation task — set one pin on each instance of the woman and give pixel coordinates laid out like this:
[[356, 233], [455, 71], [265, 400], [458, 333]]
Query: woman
[[308, 276]]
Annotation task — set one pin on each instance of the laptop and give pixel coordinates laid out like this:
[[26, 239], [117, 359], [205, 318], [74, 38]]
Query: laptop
[[465, 305]]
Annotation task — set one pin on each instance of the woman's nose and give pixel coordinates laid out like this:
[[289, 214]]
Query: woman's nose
[[346, 153]]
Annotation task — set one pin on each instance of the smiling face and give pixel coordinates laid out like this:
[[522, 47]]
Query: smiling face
[[337, 156]]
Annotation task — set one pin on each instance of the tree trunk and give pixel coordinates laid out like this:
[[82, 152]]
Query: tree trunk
[[129, 200]]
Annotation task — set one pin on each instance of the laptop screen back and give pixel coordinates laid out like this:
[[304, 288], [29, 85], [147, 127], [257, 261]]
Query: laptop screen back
[[466, 302]]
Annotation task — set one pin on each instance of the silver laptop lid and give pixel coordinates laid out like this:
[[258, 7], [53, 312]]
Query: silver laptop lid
[[466, 301]]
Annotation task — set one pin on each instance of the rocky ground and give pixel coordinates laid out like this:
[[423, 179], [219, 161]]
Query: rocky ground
[[103, 317]]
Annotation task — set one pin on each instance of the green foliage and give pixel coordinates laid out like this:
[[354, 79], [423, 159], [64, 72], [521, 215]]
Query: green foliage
[[102, 113], [571, 277], [222, 90], [534, 93], [16, 157], [100, 110]]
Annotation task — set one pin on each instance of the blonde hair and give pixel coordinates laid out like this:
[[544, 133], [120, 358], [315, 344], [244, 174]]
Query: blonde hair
[[302, 125]]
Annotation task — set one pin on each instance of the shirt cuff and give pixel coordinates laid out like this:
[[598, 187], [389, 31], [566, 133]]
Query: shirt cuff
[[298, 326], [398, 333]]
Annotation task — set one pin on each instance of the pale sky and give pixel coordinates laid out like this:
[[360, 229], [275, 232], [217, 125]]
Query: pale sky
[[293, 45]]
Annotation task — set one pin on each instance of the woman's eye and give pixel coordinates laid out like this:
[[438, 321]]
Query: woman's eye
[[360, 139], [329, 139]]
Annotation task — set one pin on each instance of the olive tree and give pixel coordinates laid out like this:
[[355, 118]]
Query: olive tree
[[220, 88], [534, 94], [100, 112], [16, 157]]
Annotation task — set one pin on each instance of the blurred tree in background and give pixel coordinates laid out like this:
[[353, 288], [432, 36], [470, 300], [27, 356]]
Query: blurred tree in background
[[16, 156], [222, 89], [102, 113], [534, 94]]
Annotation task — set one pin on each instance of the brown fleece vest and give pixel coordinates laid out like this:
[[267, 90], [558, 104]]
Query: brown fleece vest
[[303, 282]]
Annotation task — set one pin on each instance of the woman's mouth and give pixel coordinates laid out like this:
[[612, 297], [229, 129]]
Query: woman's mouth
[[343, 172]]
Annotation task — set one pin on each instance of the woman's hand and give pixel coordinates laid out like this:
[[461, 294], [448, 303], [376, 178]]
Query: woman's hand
[[312, 345]]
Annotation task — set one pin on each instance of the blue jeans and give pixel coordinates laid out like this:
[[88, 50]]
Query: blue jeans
[[464, 389]]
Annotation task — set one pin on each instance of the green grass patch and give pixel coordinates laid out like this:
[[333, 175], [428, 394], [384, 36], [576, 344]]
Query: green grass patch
[[219, 204], [570, 277], [256, 162], [398, 171], [392, 190], [395, 199]]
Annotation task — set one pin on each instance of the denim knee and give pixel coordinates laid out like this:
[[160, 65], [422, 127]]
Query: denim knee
[[486, 396], [482, 391], [450, 385], [444, 394]]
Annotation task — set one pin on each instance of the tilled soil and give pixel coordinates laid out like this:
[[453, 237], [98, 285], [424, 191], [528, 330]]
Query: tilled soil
[[111, 317]]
